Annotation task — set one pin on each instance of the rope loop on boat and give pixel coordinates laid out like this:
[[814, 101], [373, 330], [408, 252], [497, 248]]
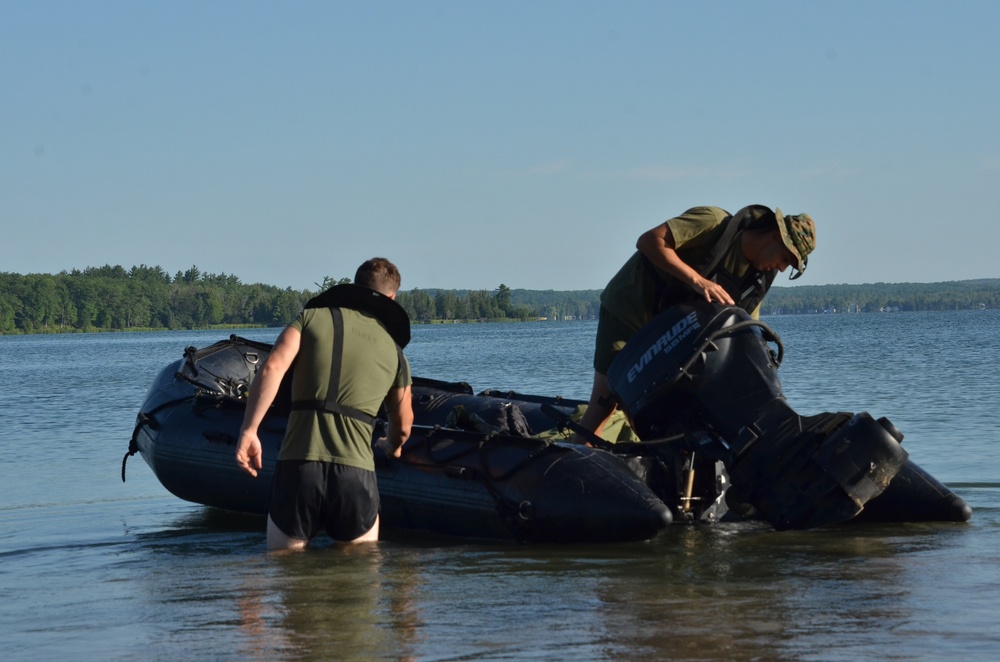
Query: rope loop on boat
[[133, 444]]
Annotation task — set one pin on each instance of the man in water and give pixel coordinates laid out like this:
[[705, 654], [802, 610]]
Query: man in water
[[706, 252], [348, 361]]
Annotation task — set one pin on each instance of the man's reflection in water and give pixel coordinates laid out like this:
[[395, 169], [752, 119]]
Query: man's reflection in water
[[343, 602]]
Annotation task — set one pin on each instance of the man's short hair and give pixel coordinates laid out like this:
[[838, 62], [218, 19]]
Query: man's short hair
[[378, 274]]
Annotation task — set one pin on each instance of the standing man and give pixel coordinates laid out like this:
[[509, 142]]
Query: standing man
[[346, 347], [706, 252]]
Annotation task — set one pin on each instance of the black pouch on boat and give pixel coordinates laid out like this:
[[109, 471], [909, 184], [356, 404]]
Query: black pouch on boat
[[507, 420], [517, 424]]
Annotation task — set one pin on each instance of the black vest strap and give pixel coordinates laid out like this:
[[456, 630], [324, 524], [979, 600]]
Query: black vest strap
[[734, 226], [747, 291], [331, 405]]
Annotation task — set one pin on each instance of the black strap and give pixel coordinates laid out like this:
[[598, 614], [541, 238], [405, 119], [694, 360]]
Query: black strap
[[331, 405], [747, 291], [734, 226]]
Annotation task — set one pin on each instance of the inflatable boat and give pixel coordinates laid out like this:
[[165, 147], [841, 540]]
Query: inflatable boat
[[705, 435], [449, 481]]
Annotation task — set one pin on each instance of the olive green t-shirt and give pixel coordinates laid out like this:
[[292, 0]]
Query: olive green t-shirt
[[631, 295], [371, 366]]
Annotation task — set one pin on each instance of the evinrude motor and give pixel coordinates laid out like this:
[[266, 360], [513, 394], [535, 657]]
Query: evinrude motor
[[710, 367]]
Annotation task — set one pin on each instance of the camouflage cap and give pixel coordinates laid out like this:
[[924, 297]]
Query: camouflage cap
[[799, 234]]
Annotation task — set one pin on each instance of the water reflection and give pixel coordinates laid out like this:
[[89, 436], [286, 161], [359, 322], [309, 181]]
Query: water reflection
[[724, 592], [96, 569], [740, 593], [203, 582], [331, 603]]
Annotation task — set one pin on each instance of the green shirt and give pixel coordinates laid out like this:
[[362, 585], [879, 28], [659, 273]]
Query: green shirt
[[371, 367], [631, 295]]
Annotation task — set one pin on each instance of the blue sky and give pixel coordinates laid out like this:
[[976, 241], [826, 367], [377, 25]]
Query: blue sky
[[480, 143]]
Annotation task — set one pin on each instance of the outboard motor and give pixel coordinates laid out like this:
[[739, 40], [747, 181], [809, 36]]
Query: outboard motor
[[706, 366]]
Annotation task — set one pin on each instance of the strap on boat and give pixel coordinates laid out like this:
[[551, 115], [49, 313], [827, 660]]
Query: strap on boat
[[133, 444]]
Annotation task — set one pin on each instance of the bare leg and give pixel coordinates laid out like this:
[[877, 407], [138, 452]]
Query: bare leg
[[371, 535], [598, 412], [277, 541]]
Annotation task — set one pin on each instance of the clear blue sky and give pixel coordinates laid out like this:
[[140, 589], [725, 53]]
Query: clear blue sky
[[480, 143]]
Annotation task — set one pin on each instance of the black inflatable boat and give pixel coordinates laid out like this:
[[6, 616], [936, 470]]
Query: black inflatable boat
[[713, 440], [449, 481]]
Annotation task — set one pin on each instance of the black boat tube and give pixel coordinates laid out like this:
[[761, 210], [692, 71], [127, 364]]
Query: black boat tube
[[447, 481]]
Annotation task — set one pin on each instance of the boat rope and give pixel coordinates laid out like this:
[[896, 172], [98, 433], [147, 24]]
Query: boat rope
[[516, 515], [133, 445], [146, 418]]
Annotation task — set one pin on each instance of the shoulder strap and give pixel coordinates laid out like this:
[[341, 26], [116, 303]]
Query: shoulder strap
[[331, 404], [748, 291], [734, 225]]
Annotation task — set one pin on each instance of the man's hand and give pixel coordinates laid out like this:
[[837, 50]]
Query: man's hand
[[249, 454], [712, 291], [388, 449]]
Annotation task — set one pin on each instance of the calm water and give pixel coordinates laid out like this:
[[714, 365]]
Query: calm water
[[91, 568]]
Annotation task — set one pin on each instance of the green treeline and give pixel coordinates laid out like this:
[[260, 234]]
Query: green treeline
[[111, 298], [463, 305], [503, 303], [879, 297], [114, 298]]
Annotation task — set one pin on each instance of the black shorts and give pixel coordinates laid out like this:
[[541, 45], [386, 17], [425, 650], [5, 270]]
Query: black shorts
[[612, 334], [307, 497]]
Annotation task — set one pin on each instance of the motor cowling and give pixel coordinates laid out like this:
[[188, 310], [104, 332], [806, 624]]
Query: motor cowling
[[697, 359], [702, 365]]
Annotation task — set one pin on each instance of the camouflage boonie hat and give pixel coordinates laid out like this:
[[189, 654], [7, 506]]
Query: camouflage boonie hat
[[799, 234]]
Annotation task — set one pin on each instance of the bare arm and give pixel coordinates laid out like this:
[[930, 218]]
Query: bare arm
[[399, 406], [658, 245], [249, 454]]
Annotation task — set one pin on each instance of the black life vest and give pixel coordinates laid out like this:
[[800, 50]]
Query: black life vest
[[392, 316], [386, 310]]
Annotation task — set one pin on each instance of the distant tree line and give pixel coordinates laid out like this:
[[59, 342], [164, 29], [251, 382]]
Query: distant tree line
[[462, 305], [503, 303], [114, 298], [882, 297]]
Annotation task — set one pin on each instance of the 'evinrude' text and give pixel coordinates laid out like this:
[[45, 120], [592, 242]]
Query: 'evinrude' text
[[665, 343]]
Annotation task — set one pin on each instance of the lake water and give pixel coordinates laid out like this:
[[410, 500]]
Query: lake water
[[94, 569]]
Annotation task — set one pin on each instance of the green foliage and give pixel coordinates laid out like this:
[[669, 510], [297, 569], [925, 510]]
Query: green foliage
[[558, 305], [462, 306], [878, 297], [112, 298]]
